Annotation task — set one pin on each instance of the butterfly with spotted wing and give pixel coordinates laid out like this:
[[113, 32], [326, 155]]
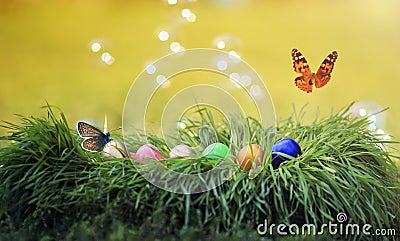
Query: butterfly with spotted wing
[[95, 140], [307, 79]]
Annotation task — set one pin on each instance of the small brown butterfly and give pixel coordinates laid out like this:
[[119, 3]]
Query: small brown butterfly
[[308, 79], [95, 140]]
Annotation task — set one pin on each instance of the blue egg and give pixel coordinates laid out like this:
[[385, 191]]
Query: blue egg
[[288, 146]]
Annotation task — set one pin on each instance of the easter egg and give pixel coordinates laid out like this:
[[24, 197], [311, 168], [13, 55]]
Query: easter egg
[[115, 148], [216, 150], [146, 152], [287, 146], [181, 150], [249, 155]]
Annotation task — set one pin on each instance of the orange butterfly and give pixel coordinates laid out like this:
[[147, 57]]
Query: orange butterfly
[[308, 79]]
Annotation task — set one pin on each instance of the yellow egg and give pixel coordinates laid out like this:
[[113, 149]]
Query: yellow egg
[[117, 149], [247, 156]]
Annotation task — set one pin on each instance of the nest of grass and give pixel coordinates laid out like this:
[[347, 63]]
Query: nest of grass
[[50, 189]]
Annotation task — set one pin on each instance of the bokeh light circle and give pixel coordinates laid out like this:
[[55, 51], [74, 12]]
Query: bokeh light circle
[[221, 44], [163, 36], [376, 116], [186, 12], [192, 18], [175, 47], [371, 110], [227, 41], [95, 47], [183, 81], [107, 58], [172, 2]]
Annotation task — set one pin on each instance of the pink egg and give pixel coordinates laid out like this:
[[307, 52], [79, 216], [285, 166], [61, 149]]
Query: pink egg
[[147, 152]]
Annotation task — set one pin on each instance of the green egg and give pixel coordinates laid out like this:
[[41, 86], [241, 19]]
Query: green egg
[[216, 150]]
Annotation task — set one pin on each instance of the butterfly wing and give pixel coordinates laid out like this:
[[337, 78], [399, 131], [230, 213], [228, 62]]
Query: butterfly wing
[[323, 74], [95, 143], [95, 139], [86, 130], [300, 64], [303, 83]]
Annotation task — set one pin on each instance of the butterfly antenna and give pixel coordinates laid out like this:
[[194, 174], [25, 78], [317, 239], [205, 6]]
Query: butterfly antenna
[[105, 124]]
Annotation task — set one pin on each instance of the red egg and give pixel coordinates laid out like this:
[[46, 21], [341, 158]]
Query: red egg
[[147, 152], [249, 155]]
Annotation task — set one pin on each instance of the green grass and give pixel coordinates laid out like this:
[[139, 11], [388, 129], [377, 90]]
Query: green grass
[[51, 189], [62, 66]]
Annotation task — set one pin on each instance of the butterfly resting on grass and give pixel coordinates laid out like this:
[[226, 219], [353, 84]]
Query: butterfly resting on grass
[[95, 139], [306, 81]]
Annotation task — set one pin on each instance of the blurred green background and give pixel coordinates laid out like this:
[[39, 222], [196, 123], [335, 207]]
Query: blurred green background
[[45, 51]]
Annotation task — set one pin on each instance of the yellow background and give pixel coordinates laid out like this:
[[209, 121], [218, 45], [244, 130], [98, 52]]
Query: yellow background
[[45, 51]]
